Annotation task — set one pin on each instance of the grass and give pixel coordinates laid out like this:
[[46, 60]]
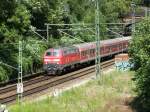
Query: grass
[[107, 94]]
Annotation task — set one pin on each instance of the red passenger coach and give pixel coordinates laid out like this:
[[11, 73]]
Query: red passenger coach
[[61, 59], [113, 46], [87, 51]]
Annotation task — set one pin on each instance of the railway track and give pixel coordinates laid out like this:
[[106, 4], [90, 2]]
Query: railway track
[[8, 94], [25, 78]]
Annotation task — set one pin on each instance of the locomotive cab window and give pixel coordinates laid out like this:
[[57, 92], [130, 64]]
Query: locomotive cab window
[[55, 53], [48, 54]]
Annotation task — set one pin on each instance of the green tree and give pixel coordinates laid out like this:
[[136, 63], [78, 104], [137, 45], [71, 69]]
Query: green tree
[[39, 12], [20, 20], [15, 26], [140, 52], [6, 9]]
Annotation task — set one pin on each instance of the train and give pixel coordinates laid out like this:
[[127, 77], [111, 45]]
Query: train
[[59, 60]]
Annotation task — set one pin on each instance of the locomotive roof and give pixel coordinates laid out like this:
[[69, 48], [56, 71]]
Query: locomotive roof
[[62, 48], [91, 44]]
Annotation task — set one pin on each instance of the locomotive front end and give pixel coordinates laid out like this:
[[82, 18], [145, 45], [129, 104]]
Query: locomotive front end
[[52, 61]]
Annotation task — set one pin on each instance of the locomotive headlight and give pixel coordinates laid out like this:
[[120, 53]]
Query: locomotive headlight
[[46, 61], [56, 61]]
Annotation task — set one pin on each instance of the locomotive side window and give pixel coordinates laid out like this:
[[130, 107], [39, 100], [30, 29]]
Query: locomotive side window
[[73, 50], [65, 52], [70, 51]]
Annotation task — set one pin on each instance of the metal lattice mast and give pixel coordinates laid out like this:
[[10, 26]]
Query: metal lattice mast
[[133, 17], [97, 29], [20, 84], [47, 28]]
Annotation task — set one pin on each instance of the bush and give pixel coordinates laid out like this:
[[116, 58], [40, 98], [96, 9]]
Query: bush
[[140, 52]]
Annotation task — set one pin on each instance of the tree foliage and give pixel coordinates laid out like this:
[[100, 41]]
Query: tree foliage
[[140, 52], [17, 18]]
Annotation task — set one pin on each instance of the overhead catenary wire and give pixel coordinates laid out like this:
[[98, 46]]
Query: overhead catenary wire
[[114, 32], [8, 65], [73, 24], [77, 29], [70, 35], [9, 43], [38, 34]]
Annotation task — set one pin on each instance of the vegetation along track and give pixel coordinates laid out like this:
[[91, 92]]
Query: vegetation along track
[[9, 95]]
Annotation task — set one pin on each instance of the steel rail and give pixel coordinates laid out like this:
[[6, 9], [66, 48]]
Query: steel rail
[[34, 76], [26, 77], [44, 83]]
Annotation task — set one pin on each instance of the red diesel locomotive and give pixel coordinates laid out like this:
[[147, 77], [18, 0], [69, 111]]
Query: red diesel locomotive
[[57, 60]]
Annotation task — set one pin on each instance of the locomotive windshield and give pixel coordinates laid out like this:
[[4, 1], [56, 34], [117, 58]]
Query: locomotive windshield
[[48, 54], [54, 53]]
